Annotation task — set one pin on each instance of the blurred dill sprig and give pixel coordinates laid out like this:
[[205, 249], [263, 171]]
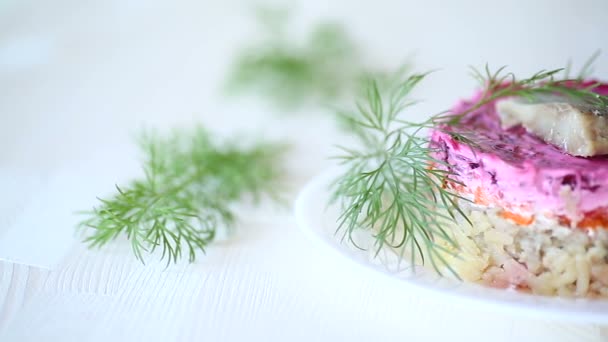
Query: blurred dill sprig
[[325, 67], [189, 186]]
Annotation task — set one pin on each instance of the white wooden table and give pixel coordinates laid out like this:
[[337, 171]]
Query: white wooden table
[[78, 78]]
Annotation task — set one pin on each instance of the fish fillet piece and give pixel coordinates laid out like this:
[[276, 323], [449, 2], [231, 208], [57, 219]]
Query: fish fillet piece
[[577, 129]]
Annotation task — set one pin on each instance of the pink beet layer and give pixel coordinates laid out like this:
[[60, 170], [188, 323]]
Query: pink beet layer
[[517, 171]]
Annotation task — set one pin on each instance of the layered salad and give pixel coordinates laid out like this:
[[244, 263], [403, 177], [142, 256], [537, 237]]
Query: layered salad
[[533, 175]]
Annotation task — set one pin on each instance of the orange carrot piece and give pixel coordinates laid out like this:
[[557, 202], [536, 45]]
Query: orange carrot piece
[[517, 218], [594, 219]]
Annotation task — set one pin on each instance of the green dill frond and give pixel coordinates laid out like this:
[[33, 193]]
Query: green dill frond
[[184, 197], [388, 186], [290, 73], [500, 84]]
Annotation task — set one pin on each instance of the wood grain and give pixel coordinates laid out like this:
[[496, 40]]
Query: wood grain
[[240, 290]]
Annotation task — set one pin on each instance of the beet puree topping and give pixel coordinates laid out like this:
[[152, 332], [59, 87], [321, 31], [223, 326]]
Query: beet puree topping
[[516, 170]]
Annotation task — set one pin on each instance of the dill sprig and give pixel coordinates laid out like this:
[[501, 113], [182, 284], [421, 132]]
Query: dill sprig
[[190, 182], [390, 186], [323, 68], [501, 83]]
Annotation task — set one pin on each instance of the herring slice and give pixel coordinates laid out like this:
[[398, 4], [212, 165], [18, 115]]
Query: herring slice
[[577, 129]]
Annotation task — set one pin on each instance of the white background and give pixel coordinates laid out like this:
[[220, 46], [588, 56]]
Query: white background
[[78, 79]]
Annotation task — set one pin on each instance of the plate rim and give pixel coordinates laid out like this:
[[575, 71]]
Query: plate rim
[[531, 306]]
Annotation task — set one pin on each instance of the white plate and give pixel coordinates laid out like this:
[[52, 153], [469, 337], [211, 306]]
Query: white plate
[[318, 221]]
